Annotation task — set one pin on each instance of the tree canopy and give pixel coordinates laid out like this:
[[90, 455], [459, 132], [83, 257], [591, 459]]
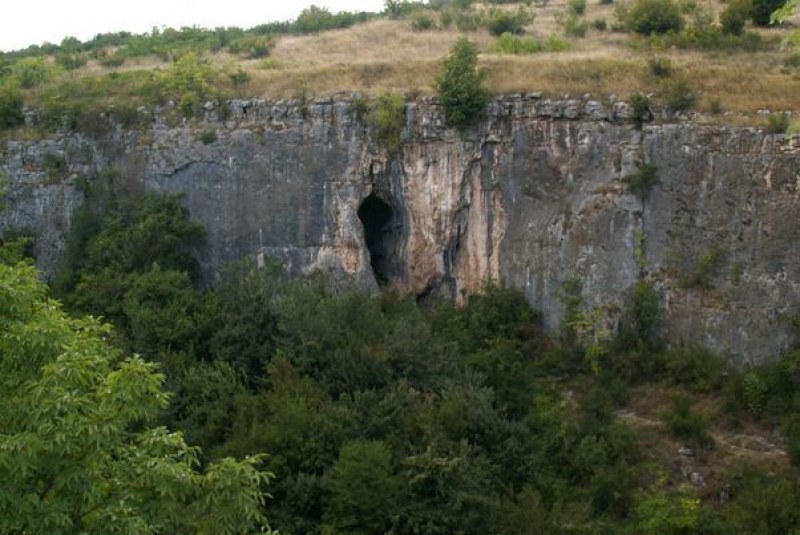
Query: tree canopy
[[76, 455], [461, 85]]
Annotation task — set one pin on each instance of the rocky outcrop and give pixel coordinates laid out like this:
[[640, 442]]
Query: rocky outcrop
[[535, 196]]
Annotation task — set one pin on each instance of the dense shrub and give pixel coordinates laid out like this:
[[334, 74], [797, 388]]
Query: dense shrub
[[734, 17], [685, 423], [676, 94], [577, 7], [422, 21], [761, 11], [387, 120], [501, 22], [512, 44], [10, 106], [574, 26], [32, 72], [654, 16], [777, 123], [461, 85]]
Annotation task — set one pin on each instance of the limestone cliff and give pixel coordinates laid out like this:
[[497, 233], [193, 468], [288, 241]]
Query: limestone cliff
[[533, 196]]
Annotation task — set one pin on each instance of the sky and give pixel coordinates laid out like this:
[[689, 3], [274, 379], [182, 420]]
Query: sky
[[27, 22]]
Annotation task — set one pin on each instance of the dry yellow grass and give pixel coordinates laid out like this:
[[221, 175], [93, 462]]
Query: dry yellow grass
[[386, 55]]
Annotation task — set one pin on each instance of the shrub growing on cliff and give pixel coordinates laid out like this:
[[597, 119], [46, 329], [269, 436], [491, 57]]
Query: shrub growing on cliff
[[10, 107], [461, 85], [387, 118]]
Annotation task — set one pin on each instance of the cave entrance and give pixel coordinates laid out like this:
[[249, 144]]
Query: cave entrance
[[378, 217]]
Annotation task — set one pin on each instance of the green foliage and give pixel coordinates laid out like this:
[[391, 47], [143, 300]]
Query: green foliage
[[734, 17], [640, 105], [577, 7], [660, 513], [149, 237], [315, 19], [364, 492], [461, 85], [710, 37], [244, 308], [695, 368], [777, 123], [764, 503], [252, 46], [642, 183], [74, 455], [676, 93], [72, 61], [190, 80], [10, 106], [422, 21], [512, 44], [762, 10], [645, 312], [500, 22], [387, 120], [648, 17], [574, 26], [32, 72], [686, 424]]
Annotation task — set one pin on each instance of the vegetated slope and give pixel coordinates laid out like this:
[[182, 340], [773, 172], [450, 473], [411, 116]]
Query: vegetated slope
[[555, 47], [383, 416]]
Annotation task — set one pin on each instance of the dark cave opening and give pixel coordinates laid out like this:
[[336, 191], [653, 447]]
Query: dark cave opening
[[377, 216]]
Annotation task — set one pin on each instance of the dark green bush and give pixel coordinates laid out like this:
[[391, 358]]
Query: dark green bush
[[640, 105], [762, 10], [676, 94], [577, 7], [461, 85], [695, 368], [777, 123], [641, 183], [648, 17], [734, 17], [10, 106], [686, 424], [501, 22], [422, 21], [660, 67]]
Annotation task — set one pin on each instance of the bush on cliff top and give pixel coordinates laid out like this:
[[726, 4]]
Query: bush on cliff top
[[461, 85]]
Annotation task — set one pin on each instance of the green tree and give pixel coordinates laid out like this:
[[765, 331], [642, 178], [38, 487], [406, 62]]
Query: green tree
[[654, 16], [75, 453], [461, 85], [364, 491], [762, 11]]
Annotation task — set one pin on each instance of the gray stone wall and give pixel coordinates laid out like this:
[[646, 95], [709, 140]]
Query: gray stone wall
[[534, 196]]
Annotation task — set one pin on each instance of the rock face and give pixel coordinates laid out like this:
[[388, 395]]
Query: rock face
[[534, 196]]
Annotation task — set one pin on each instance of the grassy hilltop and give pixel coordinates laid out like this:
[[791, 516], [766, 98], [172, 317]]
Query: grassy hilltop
[[707, 56]]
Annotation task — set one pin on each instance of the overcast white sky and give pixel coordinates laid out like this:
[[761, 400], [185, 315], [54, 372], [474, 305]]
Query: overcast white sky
[[27, 22]]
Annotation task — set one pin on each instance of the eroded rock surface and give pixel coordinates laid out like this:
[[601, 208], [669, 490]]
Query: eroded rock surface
[[534, 196]]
